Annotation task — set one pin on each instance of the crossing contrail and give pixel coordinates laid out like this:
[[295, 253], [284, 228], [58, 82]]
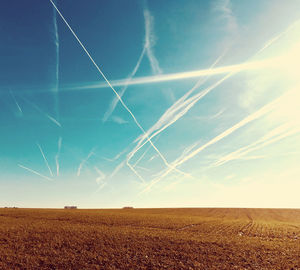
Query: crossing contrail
[[135, 172], [84, 161], [273, 62], [176, 111], [116, 93], [147, 49], [35, 172], [121, 93], [101, 176], [45, 159], [254, 116]]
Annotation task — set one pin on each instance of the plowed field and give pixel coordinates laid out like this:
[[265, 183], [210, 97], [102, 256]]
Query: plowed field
[[150, 239]]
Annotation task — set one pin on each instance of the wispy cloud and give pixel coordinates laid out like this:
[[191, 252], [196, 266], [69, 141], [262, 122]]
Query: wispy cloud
[[118, 120], [224, 9], [45, 159], [150, 41], [34, 172], [217, 114]]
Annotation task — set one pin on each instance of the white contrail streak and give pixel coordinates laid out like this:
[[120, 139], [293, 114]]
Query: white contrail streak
[[147, 48], [35, 172], [273, 136], [265, 63], [57, 155], [45, 159], [256, 115], [56, 42], [84, 161], [251, 65], [42, 112], [101, 176], [53, 119], [135, 172], [177, 110], [141, 157], [15, 100], [107, 81], [117, 169], [149, 42], [116, 99], [99, 180]]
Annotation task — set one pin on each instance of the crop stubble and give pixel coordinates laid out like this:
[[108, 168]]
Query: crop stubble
[[198, 238]]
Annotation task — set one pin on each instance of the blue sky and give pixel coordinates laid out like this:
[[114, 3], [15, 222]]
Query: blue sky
[[202, 107]]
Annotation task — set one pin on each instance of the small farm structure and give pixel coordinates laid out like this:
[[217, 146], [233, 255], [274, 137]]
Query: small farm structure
[[70, 207]]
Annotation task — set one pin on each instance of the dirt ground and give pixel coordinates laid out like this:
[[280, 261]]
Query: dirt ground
[[198, 238]]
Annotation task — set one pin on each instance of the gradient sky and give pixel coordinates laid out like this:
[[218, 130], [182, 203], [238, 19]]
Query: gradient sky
[[214, 87]]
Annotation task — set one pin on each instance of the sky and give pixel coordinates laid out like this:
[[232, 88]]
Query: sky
[[106, 104]]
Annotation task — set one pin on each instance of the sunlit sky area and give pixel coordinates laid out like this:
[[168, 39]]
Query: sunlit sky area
[[168, 103]]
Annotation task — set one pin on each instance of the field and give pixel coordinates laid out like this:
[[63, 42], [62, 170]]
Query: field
[[196, 238]]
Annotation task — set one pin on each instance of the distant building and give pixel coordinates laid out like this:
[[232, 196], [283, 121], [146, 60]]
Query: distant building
[[70, 207], [127, 207]]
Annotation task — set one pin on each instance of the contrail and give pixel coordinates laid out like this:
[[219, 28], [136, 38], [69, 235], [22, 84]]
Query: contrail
[[251, 65], [42, 112], [143, 168], [273, 136], [117, 169], [99, 180], [56, 42], [117, 156], [135, 172], [17, 104], [169, 117], [116, 100], [256, 115], [147, 48], [101, 177], [264, 63], [84, 161], [141, 157], [35, 172], [46, 161], [116, 93], [149, 42], [57, 155], [217, 114]]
